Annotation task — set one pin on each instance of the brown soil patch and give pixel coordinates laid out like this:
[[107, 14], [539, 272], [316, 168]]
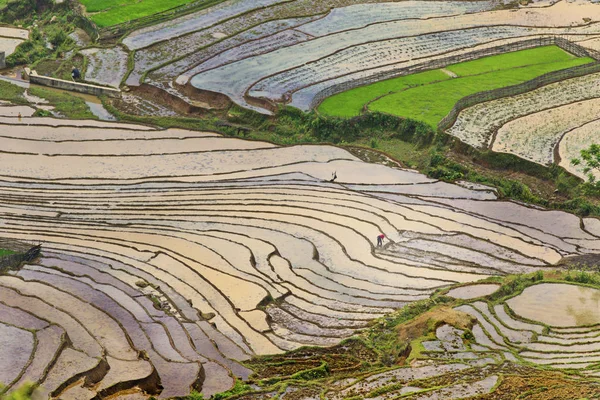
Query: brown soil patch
[[429, 321]]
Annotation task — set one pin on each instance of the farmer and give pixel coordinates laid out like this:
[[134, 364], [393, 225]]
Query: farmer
[[75, 74], [380, 240]]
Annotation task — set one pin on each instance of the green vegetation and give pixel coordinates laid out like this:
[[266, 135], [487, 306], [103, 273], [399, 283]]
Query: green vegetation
[[12, 93], [591, 162], [429, 96], [395, 340], [52, 25], [515, 59], [239, 387], [5, 252], [22, 393], [351, 103], [413, 143], [64, 103], [118, 11], [431, 103]]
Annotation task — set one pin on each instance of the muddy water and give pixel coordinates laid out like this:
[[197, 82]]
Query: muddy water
[[16, 346], [473, 291], [558, 305]]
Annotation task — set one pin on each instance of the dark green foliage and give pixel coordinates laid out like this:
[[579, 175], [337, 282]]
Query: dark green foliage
[[468, 335], [42, 113], [336, 130], [539, 276], [316, 373], [579, 205], [48, 22], [511, 287], [59, 38], [29, 51], [18, 9], [583, 277], [312, 127]]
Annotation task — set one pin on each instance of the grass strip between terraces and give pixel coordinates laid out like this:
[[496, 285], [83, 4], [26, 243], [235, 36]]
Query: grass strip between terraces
[[429, 96]]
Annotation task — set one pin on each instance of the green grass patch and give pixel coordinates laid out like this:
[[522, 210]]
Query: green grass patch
[[515, 59], [119, 11], [431, 103], [429, 96], [12, 93], [66, 104], [350, 103], [5, 252]]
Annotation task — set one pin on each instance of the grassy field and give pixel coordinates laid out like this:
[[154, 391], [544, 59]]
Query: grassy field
[[429, 96], [4, 252], [111, 12], [350, 103]]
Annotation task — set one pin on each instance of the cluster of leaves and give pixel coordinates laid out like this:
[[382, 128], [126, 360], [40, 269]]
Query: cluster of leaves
[[590, 158]]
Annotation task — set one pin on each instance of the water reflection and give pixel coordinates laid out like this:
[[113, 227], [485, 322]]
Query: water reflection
[[559, 305]]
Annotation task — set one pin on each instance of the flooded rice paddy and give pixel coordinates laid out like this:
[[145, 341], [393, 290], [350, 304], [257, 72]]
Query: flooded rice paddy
[[153, 238], [558, 305]]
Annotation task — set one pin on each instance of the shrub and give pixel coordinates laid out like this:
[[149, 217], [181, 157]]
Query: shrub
[[59, 38], [315, 373]]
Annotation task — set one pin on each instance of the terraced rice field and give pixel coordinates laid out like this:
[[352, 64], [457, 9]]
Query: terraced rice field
[[10, 38], [548, 324], [164, 252], [297, 52], [105, 66], [429, 96], [107, 13], [547, 125]]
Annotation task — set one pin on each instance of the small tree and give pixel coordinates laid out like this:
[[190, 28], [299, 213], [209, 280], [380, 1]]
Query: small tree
[[590, 159]]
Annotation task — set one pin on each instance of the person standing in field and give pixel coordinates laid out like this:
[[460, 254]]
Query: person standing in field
[[380, 240], [75, 74]]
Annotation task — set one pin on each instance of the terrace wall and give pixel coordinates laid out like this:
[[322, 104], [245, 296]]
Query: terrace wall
[[444, 62], [73, 86], [2, 60]]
